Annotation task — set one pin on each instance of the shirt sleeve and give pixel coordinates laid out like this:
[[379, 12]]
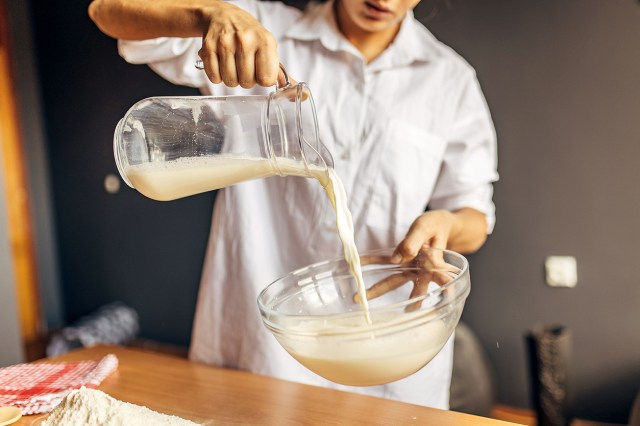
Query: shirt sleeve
[[470, 160], [174, 58]]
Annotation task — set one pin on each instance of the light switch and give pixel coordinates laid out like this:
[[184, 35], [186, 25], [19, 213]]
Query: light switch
[[561, 271]]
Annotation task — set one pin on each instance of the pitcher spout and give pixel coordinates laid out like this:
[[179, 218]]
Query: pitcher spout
[[326, 156], [317, 156]]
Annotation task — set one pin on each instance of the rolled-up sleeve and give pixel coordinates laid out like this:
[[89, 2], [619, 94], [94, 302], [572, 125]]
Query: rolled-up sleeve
[[470, 161], [172, 58]]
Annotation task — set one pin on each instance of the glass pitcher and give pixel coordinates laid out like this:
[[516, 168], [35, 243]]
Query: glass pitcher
[[173, 147]]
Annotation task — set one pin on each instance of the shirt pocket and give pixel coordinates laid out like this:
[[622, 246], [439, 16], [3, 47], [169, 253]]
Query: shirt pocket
[[409, 167]]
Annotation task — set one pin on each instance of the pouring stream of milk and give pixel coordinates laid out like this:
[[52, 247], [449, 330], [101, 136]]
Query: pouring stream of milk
[[169, 180], [344, 223]]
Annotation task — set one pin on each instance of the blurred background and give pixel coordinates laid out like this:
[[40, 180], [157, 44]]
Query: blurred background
[[562, 80]]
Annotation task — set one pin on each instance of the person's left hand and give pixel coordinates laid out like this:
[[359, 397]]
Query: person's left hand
[[429, 230]]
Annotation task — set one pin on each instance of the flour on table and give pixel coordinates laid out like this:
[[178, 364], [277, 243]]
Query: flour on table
[[90, 407]]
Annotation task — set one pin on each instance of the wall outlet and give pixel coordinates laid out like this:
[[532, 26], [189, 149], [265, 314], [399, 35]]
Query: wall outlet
[[561, 271]]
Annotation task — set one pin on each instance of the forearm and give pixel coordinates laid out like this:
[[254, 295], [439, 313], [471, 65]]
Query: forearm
[[236, 48], [468, 232], [145, 19]]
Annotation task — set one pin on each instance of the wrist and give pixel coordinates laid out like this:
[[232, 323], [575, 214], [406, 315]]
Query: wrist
[[453, 222], [207, 12]]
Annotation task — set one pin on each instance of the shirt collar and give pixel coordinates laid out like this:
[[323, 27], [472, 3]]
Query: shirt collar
[[319, 23], [413, 42]]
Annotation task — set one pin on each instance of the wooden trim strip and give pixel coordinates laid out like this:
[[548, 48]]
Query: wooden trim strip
[[19, 214]]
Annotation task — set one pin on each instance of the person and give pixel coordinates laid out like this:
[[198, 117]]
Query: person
[[402, 114]]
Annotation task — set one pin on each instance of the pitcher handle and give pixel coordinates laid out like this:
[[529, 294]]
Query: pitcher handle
[[287, 83]]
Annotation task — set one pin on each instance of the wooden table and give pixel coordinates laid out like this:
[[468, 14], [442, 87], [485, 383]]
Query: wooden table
[[217, 396]]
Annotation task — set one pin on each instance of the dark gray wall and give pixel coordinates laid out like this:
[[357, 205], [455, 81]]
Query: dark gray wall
[[561, 78]]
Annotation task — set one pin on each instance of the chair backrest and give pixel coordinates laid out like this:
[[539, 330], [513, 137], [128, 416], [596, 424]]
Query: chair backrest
[[472, 380], [634, 417]]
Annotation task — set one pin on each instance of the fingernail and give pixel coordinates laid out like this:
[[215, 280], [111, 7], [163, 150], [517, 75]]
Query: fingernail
[[396, 258]]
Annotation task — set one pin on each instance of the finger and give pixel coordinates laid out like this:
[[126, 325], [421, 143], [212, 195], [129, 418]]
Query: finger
[[430, 258], [441, 274], [374, 259], [420, 288], [210, 63], [410, 246], [227, 60], [433, 260], [388, 284], [267, 66], [407, 250], [439, 241], [245, 61], [441, 278], [439, 264]]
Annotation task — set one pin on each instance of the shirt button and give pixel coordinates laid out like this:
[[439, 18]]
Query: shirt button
[[346, 155]]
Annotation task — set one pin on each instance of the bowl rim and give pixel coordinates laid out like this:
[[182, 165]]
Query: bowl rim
[[421, 315]]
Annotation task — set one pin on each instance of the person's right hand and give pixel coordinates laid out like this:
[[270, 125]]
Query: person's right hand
[[237, 49]]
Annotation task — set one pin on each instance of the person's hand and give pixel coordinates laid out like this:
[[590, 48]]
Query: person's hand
[[238, 50], [429, 266], [429, 230]]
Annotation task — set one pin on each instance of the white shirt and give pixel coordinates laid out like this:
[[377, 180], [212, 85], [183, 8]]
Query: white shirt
[[407, 130]]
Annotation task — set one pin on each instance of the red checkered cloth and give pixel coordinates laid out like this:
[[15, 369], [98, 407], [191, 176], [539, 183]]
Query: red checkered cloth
[[39, 388]]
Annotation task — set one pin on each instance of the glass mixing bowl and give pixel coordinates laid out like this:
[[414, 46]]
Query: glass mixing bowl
[[313, 314]]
